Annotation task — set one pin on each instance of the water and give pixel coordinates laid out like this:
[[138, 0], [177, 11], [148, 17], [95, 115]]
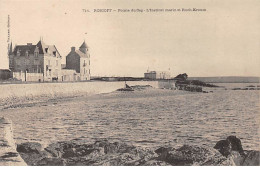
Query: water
[[152, 118]]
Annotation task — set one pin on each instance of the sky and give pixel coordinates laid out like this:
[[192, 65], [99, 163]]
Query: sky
[[224, 40]]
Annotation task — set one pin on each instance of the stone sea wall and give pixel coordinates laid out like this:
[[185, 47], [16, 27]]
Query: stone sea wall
[[65, 89]]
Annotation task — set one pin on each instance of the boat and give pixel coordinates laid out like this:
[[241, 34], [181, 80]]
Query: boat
[[126, 88]]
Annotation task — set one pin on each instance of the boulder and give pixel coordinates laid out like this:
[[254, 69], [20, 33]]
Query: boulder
[[235, 144], [32, 159], [224, 147], [232, 143], [29, 147], [51, 162], [236, 158], [60, 148], [163, 152], [156, 163], [193, 155], [31, 152], [252, 158], [116, 147]]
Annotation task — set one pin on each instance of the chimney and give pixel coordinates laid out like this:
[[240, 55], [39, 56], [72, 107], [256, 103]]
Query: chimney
[[29, 44], [72, 49]]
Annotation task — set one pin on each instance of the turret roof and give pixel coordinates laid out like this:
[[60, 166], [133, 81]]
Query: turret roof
[[84, 45]]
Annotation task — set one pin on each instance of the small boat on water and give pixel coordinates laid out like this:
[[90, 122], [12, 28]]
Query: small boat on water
[[126, 88]]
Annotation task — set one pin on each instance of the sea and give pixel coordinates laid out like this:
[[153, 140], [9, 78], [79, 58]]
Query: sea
[[150, 118]]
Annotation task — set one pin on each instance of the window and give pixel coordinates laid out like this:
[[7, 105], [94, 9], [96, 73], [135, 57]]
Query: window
[[84, 71], [27, 53], [36, 54], [18, 52]]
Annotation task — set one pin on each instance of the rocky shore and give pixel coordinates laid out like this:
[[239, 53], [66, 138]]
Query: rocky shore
[[227, 152]]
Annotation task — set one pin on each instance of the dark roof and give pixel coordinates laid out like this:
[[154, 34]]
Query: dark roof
[[84, 45], [24, 48], [43, 49]]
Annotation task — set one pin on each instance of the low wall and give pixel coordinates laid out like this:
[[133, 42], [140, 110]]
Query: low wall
[[29, 77], [61, 89], [8, 153], [170, 84]]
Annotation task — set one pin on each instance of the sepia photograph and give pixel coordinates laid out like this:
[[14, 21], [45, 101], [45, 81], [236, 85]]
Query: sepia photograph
[[129, 83]]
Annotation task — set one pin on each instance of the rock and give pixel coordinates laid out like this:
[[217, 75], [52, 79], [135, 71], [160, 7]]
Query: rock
[[163, 152], [29, 147], [236, 158], [156, 163], [116, 147], [31, 152], [102, 152], [252, 158], [232, 148], [32, 159], [224, 147], [51, 162], [232, 143], [194, 155], [61, 148], [235, 144]]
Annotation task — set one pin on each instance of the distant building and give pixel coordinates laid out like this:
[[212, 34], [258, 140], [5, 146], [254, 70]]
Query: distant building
[[157, 75], [38, 62], [79, 60]]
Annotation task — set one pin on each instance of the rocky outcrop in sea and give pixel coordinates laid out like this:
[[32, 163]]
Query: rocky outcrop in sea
[[227, 152]]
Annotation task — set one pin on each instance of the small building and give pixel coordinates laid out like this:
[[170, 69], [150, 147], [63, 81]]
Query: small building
[[153, 75], [79, 60], [69, 75]]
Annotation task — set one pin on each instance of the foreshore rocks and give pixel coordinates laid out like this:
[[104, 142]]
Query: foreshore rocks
[[232, 148], [105, 153]]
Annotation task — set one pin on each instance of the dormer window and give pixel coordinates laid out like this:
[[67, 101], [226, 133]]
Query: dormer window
[[54, 53], [18, 52], [36, 54]]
